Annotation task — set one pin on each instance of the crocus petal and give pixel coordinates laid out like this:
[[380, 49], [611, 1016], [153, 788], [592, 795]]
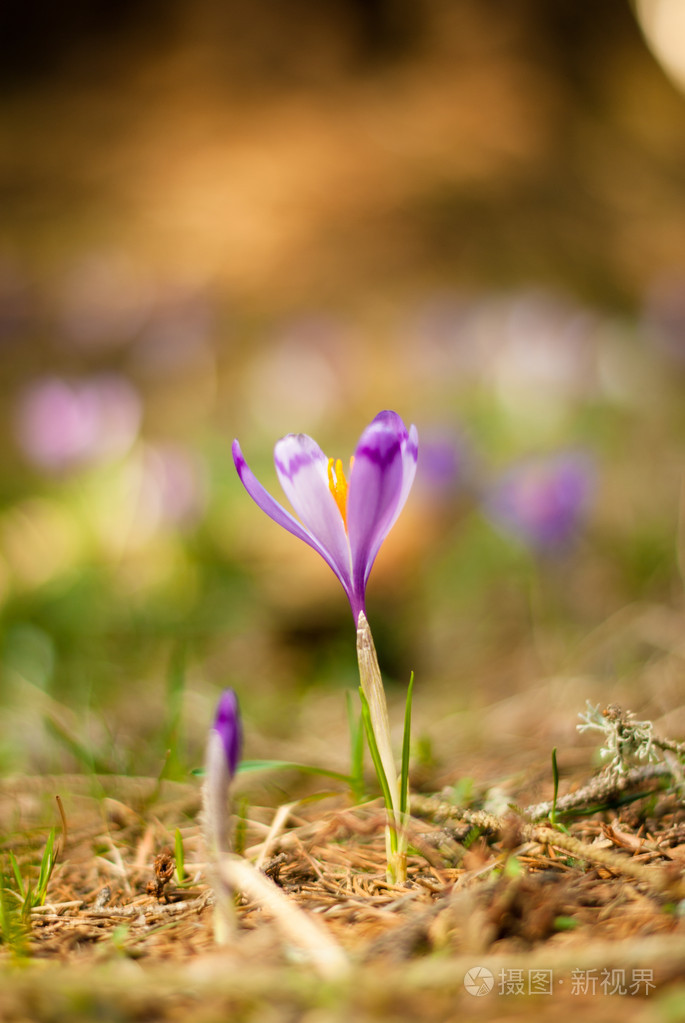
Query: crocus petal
[[302, 469], [263, 498], [383, 472], [410, 454], [279, 514]]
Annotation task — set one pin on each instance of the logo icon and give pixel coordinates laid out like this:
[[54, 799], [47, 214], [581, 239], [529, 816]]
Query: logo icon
[[479, 981]]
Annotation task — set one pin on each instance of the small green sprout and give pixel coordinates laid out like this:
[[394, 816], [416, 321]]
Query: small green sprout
[[555, 780], [179, 857], [18, 897]]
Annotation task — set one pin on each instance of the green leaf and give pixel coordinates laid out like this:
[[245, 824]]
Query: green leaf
[[17, 875], [378, 766], [555, 780], [512, 867], [406, 744], [46, 865], [92, 763], [254, 766], [240, 836], [565, 923], [179, 856], [13, 929]]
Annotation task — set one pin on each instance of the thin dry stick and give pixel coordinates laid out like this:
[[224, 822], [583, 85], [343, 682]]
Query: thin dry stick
[[605, 786], [440, 812], [120, 912], [65, 828], [599, 789], [618, 863], [275, 831], [56, 908], [297, 927], [670, 745]]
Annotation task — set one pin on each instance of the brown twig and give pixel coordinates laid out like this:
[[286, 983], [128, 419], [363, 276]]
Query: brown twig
[[601, 789], [617, 863]]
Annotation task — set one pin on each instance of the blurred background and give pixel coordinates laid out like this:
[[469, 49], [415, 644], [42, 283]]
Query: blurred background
[[224, 219]]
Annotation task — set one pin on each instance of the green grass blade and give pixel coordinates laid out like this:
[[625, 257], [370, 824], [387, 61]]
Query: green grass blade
[[21, 888], [12, 928], [406, 748], [6, 928], [179, 856], [555, 782], [46, 865], [249, 766], [92, 763], [240, 836], [378, 766]]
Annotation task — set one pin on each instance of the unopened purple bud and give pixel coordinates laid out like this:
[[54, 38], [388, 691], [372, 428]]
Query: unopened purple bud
[[228, 727]]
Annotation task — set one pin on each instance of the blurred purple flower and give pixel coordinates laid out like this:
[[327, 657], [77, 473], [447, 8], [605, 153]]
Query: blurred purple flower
[[228, 727], [174, 485], [62, 425], [445, 464], [543, 500], [345, 522]]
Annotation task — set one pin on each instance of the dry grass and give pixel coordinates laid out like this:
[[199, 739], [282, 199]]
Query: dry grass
[[513, 897]]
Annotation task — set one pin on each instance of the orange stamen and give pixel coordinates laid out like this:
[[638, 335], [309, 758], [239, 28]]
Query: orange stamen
[[338, 485]]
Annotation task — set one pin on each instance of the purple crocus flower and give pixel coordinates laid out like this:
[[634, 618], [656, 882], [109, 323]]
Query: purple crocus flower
[[228, 727], [345, 521], [224, 744]]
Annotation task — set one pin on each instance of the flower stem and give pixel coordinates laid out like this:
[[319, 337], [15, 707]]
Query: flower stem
[[215, 831], [375, 713]]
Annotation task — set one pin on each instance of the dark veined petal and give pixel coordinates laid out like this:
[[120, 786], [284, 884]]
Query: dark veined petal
[[302, 469], [383, 472], [279, 514]]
